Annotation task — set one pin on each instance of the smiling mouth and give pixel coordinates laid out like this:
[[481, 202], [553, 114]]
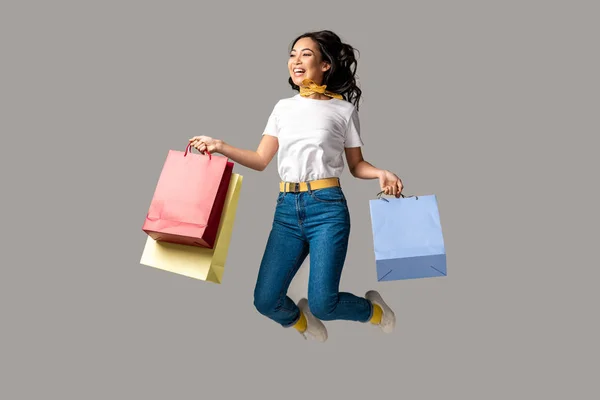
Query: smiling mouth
[[298, 71]]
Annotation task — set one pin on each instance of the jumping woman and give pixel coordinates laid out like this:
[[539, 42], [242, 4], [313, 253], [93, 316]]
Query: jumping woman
[[310, 132]]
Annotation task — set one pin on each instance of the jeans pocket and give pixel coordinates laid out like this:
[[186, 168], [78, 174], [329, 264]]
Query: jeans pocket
[[280, 197], [329, 195]]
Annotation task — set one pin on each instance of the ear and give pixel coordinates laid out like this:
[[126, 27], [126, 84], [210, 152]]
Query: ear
[[325, 66]]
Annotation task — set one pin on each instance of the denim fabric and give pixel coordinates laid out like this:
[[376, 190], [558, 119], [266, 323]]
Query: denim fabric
[[317, 221]]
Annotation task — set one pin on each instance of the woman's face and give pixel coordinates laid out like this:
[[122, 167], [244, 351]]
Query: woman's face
[[305, 62]]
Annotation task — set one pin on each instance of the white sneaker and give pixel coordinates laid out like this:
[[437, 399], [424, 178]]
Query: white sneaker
[[314, 327], [388, 319]]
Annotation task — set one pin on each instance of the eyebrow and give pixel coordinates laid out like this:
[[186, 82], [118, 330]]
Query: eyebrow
[[306, 48]]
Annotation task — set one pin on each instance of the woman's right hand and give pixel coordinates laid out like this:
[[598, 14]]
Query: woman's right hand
[[205, 143]]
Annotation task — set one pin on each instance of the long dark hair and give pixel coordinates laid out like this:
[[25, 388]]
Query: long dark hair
[[341, 76]]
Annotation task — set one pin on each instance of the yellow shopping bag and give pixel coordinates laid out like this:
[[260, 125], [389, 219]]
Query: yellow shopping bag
[[193, 261]]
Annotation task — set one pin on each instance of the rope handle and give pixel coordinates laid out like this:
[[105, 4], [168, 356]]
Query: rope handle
[[401, 195], [189, 148]]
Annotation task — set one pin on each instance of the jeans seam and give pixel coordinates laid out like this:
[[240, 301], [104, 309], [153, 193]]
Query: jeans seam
[[315, 197], [340, 201], [287, 280]]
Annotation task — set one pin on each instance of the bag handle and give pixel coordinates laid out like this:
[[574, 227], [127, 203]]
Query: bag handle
[[401, 195], [189, 148]]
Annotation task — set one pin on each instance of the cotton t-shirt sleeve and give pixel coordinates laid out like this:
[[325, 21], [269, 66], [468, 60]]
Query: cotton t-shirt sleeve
[[272, 129], [353, 138]]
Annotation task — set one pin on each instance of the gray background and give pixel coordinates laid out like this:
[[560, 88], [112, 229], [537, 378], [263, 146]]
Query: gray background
[[492, 106]]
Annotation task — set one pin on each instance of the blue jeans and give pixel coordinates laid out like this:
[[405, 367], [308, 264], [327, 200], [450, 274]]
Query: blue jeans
[[317, 221]]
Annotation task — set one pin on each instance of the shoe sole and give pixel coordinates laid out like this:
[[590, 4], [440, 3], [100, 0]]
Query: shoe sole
[[311, 319], [388, 319]]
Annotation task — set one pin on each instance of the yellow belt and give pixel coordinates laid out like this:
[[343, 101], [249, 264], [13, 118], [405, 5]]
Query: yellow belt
[[295, 187]]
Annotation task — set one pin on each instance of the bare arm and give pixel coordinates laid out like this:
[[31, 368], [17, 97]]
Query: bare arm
[[359, 168], [257, 160]]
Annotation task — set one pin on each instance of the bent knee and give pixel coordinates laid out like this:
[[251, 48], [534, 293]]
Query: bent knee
[[264, 303]]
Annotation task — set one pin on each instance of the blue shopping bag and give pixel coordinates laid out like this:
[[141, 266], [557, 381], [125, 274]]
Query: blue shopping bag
[[407, 236]]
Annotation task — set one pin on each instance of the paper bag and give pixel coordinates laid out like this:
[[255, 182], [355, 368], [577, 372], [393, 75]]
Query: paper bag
[[407, 237], [193, 261], [188, 200]]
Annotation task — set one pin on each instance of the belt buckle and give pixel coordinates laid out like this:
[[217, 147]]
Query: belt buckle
[[292, 187]]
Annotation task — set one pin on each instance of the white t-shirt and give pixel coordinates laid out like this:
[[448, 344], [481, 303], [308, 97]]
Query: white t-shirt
[[312, 136]]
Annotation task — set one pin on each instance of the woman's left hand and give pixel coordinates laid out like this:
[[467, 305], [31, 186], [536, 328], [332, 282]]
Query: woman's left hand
[[390, 183]]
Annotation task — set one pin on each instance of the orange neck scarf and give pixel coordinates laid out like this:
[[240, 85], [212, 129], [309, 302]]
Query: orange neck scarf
[[310, 87]]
